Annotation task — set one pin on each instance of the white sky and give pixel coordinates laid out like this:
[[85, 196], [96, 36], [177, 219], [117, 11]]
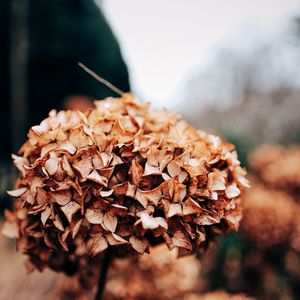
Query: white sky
[[164, 40]]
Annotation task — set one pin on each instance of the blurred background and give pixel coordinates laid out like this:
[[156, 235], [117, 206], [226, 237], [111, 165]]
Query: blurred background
[[230, 67]]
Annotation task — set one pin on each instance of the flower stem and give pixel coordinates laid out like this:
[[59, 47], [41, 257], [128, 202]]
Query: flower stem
[[103, 274]]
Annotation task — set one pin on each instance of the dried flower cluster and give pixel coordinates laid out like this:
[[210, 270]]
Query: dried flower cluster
[[278, 167], [263, 258], [120, 175], [270, 216], [217, 295], [159, 275]]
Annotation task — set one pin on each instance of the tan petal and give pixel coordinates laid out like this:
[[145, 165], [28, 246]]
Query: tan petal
[[75, 228], [62, 197], [45, 215], [190, 207], [84, 167], [106, 193], [94, 176], [136, 171], [67, 167], [10, 230], [70, 209], [151, 170], [110, 222], [114, 239], [58, 223], [94, 216], [51, 166], [17, 193], [232, 191], [173, 168], [139, 245], [180, 240], [148, 222], [96, 245], [67, 147], [78, 137], [175, 209]]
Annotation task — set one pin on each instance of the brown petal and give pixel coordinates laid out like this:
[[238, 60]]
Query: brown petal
[[70, 209], [180, 240], [78, 137], [67, 167], [96, 245], [58, 223], [110, 222], [136, 171], [94, 216], [84, 167], [173, 168], [190, 207], [114, 239], [94, 176], [62, 197], [139, 245]]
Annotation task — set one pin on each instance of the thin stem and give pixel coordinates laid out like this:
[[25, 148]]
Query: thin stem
[[103, 274], [100, 79]]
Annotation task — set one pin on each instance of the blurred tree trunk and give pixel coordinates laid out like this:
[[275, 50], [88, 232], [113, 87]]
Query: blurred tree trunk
[[18, 70]]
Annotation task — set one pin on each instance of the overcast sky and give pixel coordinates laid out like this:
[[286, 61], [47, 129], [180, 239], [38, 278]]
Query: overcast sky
[[164, 41]]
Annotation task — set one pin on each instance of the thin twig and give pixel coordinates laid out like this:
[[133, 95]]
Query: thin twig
[[100, 79], [103, 274]]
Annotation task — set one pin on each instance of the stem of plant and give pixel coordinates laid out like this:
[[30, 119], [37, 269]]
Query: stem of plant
[[103, 274]]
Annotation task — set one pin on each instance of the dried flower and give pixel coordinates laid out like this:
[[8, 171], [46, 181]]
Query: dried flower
[[269, 216], [217, 295], [278, 167], [120, 175], [159, 275]]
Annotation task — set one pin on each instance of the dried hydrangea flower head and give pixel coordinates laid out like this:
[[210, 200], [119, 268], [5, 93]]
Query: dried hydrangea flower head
[[159, 275], [269, 216], [218, 295], [278, 167], [120, 175]]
